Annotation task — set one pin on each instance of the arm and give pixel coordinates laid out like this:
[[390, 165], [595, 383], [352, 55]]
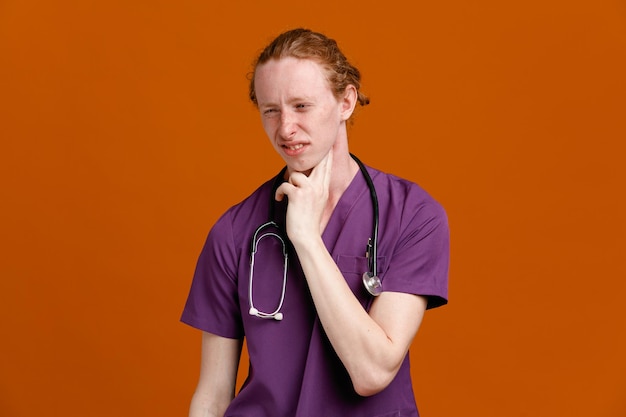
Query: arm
[[218, 375], [372, 346]]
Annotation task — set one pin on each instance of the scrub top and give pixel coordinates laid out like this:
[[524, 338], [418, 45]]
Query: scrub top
[[293, 369]]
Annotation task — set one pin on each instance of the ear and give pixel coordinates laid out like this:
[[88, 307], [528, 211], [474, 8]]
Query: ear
[[348, 102]]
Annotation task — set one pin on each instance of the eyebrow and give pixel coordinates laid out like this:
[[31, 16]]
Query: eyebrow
[[293, 100]]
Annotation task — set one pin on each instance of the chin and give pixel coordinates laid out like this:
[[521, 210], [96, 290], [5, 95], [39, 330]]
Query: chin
[[300, 169], [304, 167]]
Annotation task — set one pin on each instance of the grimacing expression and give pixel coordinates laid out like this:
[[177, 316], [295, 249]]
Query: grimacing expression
[[300, 114]]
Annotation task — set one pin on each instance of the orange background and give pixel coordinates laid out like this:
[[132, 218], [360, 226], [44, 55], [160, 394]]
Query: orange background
[[126, 131]]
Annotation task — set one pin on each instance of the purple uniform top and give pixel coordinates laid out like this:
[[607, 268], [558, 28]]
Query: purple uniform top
[[294, 370]]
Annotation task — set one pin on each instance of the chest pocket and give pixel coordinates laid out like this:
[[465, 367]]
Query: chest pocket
[[353, 268]]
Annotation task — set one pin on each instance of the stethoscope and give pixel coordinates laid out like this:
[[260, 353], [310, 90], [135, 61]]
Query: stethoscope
[[371, 281]]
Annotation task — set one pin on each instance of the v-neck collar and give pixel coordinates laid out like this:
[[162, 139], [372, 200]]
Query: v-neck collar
[[347, 201]]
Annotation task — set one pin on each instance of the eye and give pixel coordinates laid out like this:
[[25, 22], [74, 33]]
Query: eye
[[301, 106], [270, 112]]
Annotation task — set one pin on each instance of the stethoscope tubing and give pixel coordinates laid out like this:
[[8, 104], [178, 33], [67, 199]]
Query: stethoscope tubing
[[255, 241], [374, 240]]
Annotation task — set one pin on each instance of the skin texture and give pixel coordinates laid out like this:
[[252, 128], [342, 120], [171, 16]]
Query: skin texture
[[218, 375], [306, 125]]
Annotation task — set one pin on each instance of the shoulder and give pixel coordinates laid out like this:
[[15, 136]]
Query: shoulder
[[240, 218], [257, 200], [405, 197], [414, 235]]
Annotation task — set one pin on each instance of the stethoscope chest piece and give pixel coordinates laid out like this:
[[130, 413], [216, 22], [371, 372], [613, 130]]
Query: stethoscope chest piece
[[372, 284]]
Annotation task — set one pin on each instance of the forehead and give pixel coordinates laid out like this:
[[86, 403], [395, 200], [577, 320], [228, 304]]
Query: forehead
[[279, 78]]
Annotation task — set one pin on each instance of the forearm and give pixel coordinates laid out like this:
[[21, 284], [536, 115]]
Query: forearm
[[218, 373], [370, 355], [203, 406]]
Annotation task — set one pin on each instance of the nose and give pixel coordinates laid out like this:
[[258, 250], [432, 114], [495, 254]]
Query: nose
[[287, 128]]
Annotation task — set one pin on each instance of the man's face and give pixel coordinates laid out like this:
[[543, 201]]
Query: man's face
[[300, 115]]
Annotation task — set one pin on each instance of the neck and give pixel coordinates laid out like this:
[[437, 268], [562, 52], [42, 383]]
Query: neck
[[343, 171]]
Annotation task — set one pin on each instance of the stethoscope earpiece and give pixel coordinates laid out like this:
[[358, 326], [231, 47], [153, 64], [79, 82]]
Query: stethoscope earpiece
[[276, 316]]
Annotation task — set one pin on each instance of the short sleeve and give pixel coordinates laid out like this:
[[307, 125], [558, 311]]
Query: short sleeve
[[212, 304], [419, 264]]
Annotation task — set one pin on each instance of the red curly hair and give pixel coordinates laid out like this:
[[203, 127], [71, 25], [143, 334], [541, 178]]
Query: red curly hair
[[306, 44]]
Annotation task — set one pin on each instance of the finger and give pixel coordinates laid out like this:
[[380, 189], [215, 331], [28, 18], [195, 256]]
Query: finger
[[321, 172], [283, 190], [329, 168], [297, 178]]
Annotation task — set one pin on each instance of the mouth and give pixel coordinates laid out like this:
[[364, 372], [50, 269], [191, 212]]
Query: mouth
[[294, 147], [294, 150]]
